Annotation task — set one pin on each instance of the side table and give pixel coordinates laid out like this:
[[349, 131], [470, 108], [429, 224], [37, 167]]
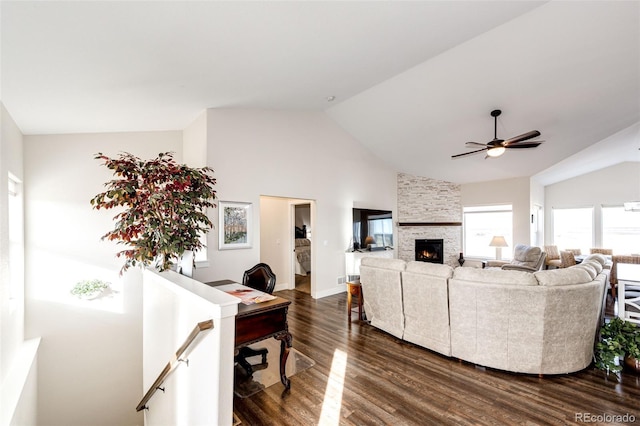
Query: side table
[[354, 289]]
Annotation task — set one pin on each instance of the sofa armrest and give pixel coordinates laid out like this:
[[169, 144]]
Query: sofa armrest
[[510, 267]]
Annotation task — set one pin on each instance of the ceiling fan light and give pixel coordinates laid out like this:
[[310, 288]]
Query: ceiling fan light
[[496, 152]]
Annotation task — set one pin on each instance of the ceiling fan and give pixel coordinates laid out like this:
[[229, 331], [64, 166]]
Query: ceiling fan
[[497, 147]]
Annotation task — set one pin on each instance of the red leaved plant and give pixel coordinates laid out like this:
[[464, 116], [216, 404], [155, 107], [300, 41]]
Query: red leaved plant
[[164, 208]]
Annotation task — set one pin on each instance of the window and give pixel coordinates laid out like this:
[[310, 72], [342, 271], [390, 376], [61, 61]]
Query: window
[[16, 244], [620, 229], [481, 224], [381, 229], [573, 228]]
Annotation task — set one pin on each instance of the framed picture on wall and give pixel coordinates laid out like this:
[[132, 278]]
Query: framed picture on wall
[[235, 223]]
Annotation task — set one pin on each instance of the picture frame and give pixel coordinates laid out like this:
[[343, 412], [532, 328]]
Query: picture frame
[[235, 225]]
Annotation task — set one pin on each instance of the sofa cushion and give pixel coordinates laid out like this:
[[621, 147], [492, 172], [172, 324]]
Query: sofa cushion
[[495, 276], [598, 267], [600, 258], [565, 276], [380, 262], [591, 270], [435, 269]]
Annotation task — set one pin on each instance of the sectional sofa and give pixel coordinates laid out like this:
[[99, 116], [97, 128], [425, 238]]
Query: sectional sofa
[[536, 323]]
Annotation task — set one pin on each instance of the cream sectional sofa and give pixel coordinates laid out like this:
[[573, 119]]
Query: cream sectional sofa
[[537, 323]]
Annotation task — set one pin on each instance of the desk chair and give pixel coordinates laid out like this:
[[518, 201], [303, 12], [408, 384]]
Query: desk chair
[[262, 278]]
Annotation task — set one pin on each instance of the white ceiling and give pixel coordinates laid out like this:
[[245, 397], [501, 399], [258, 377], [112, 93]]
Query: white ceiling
[[413, 80]]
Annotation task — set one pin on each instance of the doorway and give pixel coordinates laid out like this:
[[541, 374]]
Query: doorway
[[302, 250], [291, 259]]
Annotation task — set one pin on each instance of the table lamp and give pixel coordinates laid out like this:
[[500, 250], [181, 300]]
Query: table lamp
[[369, 241], [498, 242]]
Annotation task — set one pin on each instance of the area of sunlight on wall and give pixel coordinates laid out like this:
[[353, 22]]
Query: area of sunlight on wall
[[332, 402], [58, 286]]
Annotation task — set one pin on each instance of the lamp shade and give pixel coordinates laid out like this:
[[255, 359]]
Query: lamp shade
[[498, 241], [369, 240]]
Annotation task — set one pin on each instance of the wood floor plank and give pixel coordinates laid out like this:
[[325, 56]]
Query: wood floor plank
[[391, 382]]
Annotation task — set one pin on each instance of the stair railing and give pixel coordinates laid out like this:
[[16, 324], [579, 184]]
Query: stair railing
[[173, 362]]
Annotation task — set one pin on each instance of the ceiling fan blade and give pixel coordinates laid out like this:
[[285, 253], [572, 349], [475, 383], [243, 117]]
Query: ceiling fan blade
[[523, 137], [524, 144], [475, 143], [468, 153]]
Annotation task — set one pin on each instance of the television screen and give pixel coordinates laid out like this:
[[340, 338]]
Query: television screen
[[377, 224]]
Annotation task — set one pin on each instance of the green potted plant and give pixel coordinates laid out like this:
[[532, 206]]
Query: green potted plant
[[89, 289], [618, 339], [163, 208]]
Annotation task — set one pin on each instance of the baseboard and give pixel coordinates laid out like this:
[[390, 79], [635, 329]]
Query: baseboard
[[330, 292], [284, 286]]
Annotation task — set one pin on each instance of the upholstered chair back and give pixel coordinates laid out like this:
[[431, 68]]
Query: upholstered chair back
[[528, 257], [567, 259], [552, 252], [601, 251], [553, 256]]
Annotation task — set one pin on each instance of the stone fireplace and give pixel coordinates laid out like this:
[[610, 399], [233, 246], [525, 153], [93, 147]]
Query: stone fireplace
[[429, 209], [429, 250]]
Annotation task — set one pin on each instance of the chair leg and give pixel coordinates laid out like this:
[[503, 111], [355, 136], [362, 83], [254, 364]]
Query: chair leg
[[244, 364], [247, 352]]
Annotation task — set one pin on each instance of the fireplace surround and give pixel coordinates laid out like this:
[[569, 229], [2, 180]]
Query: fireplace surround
[[429, 250]]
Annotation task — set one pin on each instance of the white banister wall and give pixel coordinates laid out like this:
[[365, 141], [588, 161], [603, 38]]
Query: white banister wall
[[200, 393]]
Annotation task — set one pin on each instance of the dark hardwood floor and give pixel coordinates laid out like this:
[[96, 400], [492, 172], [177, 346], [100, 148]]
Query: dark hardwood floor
[[386, 381]]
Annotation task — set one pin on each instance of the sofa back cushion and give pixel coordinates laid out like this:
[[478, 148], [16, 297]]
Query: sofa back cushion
[[495, 276], [596, 265], [600, 258], [381, 281], [435, 269], [564, 276], [384, 263], [426, 305], [591, 270]]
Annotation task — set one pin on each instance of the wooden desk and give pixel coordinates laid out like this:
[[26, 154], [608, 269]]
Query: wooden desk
[[260, 321]]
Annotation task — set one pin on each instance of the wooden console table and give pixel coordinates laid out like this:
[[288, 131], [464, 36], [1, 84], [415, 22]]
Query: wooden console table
[[259, 322]]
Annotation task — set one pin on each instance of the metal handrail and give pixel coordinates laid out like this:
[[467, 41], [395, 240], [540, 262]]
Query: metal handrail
[[173, 362]]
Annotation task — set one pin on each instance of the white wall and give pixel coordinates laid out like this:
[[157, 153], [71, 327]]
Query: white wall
[[508, 191], [194, 152], [90, 361], [18, 358], [275, 236], [610, 186], [200, 393], [12, 304], [289, 154]]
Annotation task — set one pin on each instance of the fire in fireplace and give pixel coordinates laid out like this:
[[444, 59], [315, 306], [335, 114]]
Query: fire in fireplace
[[430, 251]]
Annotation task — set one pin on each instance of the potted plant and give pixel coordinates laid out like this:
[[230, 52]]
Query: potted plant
[[618, 339], [89, 289], [164, 208]]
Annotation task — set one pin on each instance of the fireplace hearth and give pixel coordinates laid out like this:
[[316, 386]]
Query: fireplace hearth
[[430, 250]]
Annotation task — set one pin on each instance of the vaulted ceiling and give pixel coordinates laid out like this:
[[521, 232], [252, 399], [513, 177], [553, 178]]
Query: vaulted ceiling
[[412, 81]]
